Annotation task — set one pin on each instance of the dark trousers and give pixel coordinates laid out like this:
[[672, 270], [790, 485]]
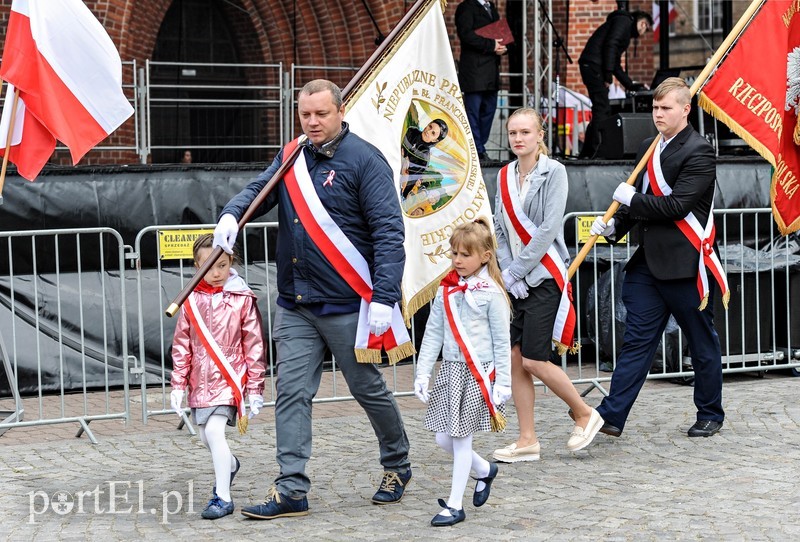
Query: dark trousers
[[480, 108], [649, 303], [601, 108]]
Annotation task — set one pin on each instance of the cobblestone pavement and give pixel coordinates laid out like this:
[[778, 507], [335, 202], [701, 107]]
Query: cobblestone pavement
[[653, 483]]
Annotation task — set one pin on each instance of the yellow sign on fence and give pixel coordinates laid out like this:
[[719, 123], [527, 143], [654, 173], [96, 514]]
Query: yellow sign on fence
[[584, 225], [177, 244]]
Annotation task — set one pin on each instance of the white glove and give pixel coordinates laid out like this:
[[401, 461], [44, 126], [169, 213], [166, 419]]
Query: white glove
[[601, 228], [500, 394], [519, 289], [380, 318], [508, 279], [175, 400], [421, 387], [624, 193], [256, 404], [225, 233]]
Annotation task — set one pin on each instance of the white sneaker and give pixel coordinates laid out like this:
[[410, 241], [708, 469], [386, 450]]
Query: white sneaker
[[512, 454], [582, 437]]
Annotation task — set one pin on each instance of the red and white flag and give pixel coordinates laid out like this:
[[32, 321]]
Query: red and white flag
[[31, 153], [673, 14], [68, 72]]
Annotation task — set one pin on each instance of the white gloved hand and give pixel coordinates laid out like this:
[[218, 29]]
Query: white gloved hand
[[256, 404], [519, 289], [500, 394], [225, 233], [624, 193], [175, 400], [508, 279], [421, 387], [380, 318], [601, 228]]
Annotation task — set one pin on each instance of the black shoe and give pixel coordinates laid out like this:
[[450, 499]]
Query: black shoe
[[456, 516], [479, 498], [607, 429], [705, 428], [277, 506], [392, 487]]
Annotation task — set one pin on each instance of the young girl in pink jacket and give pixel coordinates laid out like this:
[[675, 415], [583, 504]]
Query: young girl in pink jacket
[[218, 354]]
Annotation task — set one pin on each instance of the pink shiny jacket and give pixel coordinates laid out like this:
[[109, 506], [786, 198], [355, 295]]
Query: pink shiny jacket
[[235, 323]]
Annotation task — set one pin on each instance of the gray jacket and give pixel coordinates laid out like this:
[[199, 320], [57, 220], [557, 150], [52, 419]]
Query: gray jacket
[[544, 204]]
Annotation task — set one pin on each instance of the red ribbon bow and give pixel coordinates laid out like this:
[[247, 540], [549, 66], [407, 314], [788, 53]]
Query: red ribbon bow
[[205, 287]]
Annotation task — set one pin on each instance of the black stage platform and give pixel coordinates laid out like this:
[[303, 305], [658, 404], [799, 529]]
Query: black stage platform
[[129, 198]]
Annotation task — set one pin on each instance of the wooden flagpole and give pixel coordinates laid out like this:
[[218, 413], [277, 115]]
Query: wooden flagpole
[[288, 162], [721, 51], [8, 142]]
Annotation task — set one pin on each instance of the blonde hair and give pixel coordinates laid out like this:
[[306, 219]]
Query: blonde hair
[[683, 93], [207, 241], [539, 121], [476, 238]]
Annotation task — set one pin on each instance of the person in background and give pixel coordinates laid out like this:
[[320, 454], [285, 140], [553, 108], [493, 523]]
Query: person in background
[[667, 275], [600, 62], [338, 210], [479, 69], [468, 324], [221, 313], [187, 157]]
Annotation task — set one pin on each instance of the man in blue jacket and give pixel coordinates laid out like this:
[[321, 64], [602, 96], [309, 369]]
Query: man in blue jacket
[[317, 307]]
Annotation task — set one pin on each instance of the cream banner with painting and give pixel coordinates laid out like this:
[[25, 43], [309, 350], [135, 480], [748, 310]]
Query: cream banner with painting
[[410, 107]]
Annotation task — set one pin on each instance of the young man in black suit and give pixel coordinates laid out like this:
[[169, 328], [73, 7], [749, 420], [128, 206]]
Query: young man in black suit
[[662, 276]]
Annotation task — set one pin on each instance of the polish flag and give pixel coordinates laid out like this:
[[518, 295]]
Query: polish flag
[[673, 14], [68, 72], [31, 153]]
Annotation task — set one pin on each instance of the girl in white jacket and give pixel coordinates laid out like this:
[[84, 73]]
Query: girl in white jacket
[[469, 324]]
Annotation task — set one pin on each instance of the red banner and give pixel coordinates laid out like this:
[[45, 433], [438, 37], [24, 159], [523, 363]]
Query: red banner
[[756, 92]]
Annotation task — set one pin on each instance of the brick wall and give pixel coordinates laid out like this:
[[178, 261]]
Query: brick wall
[[331, 33]]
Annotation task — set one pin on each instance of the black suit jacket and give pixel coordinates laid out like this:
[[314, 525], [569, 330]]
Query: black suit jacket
[[479, 66], [689, 167]]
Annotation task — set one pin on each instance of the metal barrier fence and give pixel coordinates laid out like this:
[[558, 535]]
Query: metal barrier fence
[[52, 281], [756, 332], [62, 294], [168, 276]]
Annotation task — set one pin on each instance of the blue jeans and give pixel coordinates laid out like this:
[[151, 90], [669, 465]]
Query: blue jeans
[[301, 338], [649, 302]]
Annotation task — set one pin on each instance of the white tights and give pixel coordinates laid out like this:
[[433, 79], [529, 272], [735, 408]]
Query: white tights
[[464, 460], [212, 434]]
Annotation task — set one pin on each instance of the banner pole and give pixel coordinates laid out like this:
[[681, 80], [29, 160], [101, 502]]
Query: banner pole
[[716, 58], [397, 31], [8, 142]]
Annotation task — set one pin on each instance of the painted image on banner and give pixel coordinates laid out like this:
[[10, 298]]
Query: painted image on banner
[[433, 159]]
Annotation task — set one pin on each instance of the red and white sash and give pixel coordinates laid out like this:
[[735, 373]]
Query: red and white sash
[[701, 238], [348, 262], [236, 381], [453, 284], [564, 327]]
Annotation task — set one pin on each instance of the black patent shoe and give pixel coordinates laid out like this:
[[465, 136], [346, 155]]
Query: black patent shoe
[[479, 498], [456, 516]]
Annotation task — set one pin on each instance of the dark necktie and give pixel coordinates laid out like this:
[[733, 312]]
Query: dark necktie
[[488, 9]]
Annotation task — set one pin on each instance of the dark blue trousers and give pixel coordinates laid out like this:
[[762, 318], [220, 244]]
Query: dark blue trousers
[[649, 303], [480, 108]]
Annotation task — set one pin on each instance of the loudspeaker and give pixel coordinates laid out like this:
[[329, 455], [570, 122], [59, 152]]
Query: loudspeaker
[[621, 134]]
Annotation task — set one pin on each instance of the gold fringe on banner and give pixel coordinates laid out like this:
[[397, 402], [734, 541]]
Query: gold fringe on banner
[[421, 298], [399, 352], [715, 111]]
